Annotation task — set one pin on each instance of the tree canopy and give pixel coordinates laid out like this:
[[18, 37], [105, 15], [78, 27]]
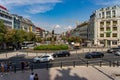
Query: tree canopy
[[12, 35]]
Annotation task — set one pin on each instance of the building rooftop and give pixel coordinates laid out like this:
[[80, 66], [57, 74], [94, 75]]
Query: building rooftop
[[2, 7]]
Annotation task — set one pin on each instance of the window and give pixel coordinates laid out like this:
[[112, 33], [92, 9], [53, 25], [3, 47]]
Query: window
[[114, 42], [101, 24], [107, 34], [108, 14], [113, 13], [102, 14], [107, 28], [101, 35], [114, 35], [102, 29], [114, 28], [114, 23], [108, 23], [99, 15]]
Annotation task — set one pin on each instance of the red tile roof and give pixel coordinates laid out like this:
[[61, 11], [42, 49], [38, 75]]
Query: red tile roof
[[2, 7]]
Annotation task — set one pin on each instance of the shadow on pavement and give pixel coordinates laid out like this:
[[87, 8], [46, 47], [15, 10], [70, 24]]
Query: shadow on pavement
[[65, 75], [103, 73]]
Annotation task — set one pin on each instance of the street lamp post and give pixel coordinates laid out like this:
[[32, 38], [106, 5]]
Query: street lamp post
[[53, 36]]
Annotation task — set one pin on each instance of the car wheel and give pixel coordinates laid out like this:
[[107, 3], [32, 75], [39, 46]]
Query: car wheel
[[68, 55], [50, 60], [101, 56], [37, 61], [54, 56]]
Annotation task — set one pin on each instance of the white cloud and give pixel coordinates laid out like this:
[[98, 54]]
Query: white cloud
[[57, 26], [40, 8], [27, 2], [32, 6], [68, 28], [106, 2]]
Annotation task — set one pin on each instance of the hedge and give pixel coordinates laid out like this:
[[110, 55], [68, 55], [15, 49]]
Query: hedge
[[51, 47]]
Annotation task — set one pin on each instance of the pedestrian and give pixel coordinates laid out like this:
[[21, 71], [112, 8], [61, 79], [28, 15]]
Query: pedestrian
[[5, 67], [32, 76], [8, 67], [36, 77], [2, 68]]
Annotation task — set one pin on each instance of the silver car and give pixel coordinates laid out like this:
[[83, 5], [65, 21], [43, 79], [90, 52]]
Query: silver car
[[44, 58], [117, 53]]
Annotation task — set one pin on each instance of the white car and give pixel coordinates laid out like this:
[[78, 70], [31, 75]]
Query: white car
[[117, 53], [44, 58]]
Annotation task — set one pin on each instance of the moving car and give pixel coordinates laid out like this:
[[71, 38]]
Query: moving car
[[94, 55], [113, 50], [117, 53], [44, 58], [61, 54]]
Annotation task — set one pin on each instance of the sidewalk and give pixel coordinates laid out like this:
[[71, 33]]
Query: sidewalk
[[69, 73]]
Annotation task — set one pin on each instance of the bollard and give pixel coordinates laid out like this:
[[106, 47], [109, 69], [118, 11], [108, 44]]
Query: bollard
[[73, 63], [87, 63], [31, 67], [47, 66], [61, 64], [113, 64], [100, 63], [110, 63], [117, 63], [14, 68]]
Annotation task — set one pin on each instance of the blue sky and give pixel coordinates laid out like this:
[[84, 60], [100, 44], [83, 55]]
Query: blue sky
[[59, 14]]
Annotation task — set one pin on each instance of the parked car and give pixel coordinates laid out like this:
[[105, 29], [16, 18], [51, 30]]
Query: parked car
[[117, 53], [61, 54], [44, 58], [113, 50], [94, 55]]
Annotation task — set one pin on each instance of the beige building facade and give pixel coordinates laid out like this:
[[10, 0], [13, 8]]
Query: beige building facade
[[104, 27]]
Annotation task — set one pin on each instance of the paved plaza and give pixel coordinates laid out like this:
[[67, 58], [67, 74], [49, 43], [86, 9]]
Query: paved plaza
[[69, 73]]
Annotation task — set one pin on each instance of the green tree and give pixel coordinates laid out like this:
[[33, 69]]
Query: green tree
[[10, 35], [20, 36], [3, 31], [74, 39], [38, 39], [30, 36]]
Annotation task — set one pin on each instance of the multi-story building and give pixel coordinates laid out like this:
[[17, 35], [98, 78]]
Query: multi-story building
[[81, 31], [27, 25], [104, 26], [16, 21], [39, 32], [6, 17]]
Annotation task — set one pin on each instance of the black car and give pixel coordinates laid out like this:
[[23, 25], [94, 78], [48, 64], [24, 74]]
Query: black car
[[94, 55], [61, 54], [113, 50]]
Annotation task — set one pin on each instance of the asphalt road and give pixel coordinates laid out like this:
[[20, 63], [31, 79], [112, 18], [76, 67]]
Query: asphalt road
[[73, 60]]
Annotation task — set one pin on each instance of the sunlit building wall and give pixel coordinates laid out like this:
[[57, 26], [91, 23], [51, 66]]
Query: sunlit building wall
[[104, 26]]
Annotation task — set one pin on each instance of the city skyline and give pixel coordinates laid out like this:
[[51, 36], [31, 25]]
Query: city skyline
[[60, 14]]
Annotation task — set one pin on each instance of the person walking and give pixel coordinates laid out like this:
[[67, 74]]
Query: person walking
[[36, 77], [2, 68], [31, 76]]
